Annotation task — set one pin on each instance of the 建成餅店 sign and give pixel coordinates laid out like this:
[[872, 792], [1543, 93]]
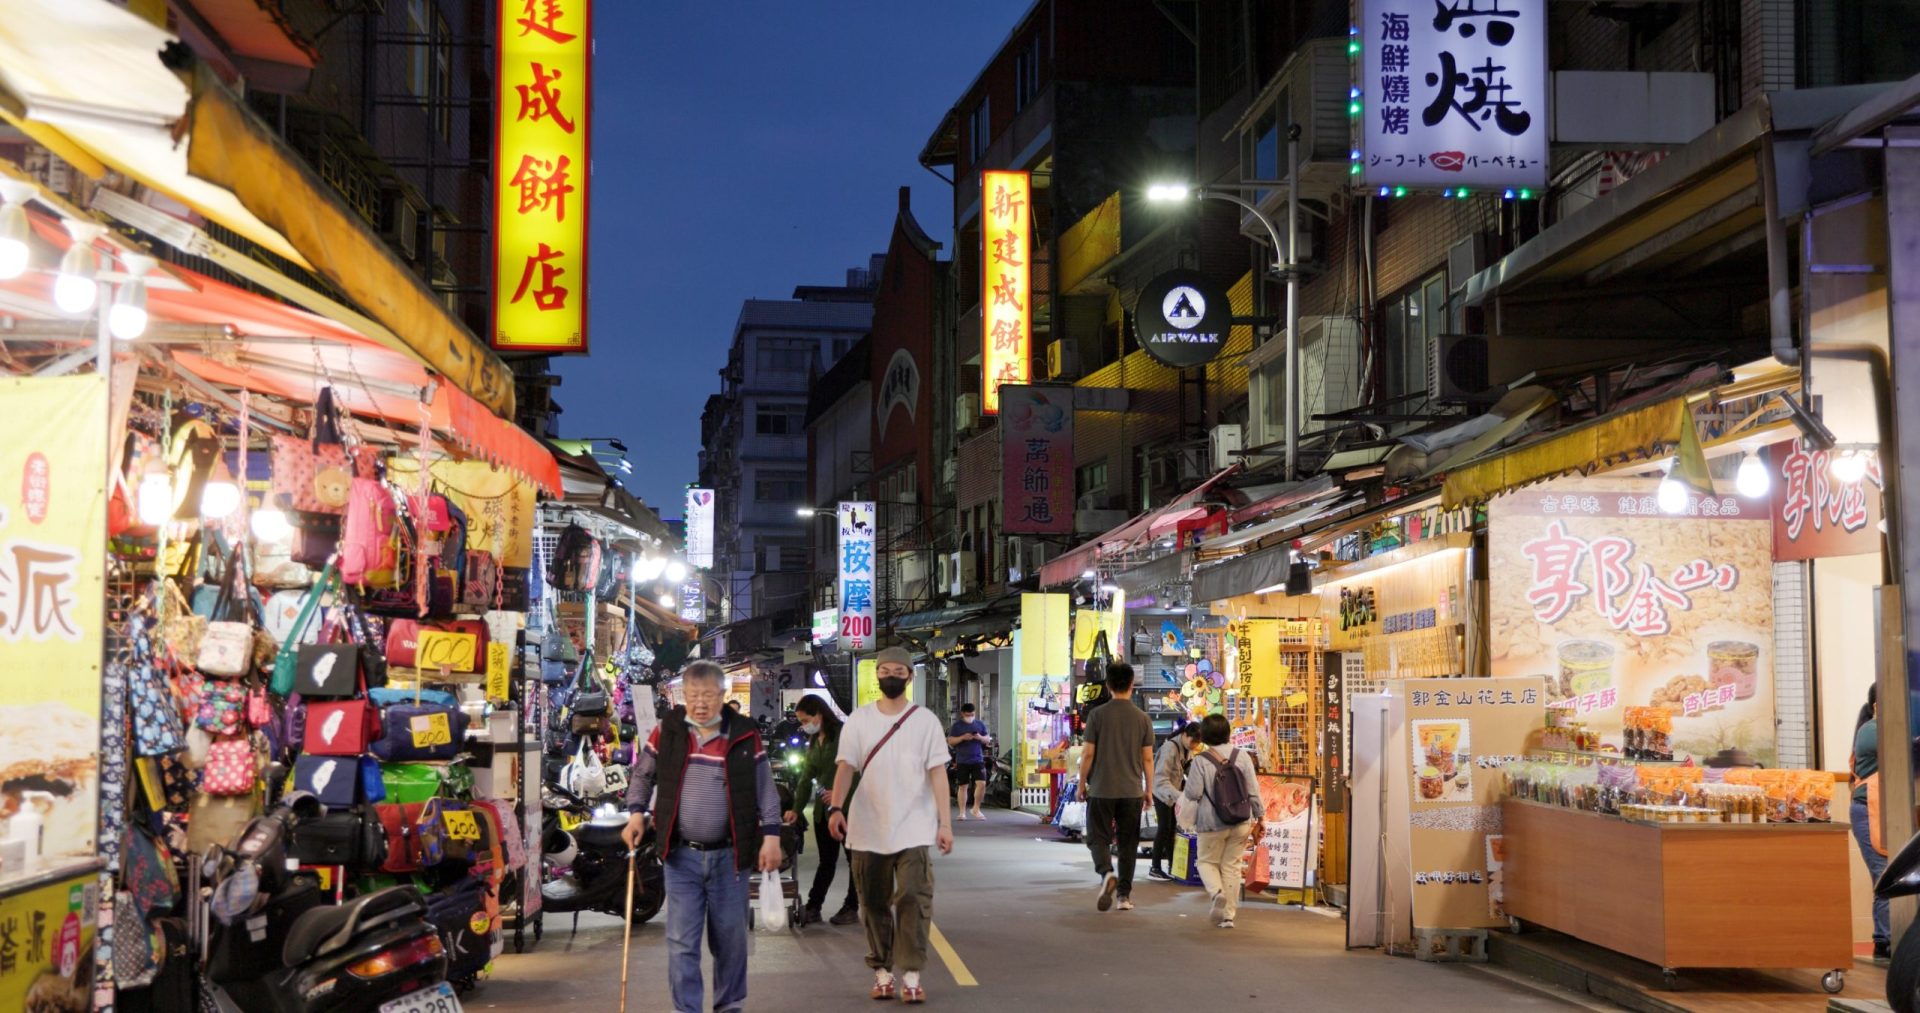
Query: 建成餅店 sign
[[1620, 606], [541, 160], [1452, 93], [1006, 284]]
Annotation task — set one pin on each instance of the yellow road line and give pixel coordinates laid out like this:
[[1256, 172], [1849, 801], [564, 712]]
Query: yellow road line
[[955, 966]]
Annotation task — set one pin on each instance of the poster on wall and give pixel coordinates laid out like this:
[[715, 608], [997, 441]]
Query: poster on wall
[[1815, 512], [1625, 610], [53, 499], [1036, 459], [46, 946], [1452, 95], [1459, 734]]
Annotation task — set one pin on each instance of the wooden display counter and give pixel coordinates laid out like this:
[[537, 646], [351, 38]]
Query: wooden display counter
[[1684, 894]]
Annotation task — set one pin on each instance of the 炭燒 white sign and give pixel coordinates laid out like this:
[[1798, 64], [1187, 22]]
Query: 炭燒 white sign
[[1453, 93]]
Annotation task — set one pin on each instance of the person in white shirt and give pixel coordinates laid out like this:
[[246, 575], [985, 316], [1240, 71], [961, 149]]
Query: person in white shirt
[[899, 753]]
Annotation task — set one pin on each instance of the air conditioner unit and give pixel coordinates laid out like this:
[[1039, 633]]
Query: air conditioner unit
[[943, 572], [1162, 471], [1063, 360], [1457, 373], [400, 223], [966, 411], [913, 569], [1226, 442], [960, 567], [1192, 465]]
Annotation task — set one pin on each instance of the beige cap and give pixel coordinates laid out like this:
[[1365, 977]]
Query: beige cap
[[893, 655]]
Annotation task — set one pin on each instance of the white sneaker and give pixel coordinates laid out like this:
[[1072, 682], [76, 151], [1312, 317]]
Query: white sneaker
[[910, 979], [1227, 923], [1124, 904], [1218, 908], [1108, 884]]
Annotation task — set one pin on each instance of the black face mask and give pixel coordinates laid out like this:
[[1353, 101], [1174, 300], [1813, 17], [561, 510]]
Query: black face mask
[[893, 687]]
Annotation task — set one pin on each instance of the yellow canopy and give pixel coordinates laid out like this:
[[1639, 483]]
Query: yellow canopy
[[1605, 442]]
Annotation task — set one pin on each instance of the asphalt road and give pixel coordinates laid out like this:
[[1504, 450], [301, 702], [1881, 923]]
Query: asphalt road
[[1017, 908]]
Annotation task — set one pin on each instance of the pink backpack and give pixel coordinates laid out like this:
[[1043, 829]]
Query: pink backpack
[[367, 549]]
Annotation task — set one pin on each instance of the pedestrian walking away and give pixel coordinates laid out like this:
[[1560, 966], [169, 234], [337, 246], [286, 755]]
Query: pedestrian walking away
[[1115, 754], [704, 780], [968, 739], [900, 757], [1226, 786], [1169, 779], [821, 723]]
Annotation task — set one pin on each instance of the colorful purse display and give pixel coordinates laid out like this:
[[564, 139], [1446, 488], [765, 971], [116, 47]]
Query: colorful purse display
[[310, 473]]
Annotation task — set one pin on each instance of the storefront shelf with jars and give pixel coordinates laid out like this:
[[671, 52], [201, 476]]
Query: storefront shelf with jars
[[1674, 794]]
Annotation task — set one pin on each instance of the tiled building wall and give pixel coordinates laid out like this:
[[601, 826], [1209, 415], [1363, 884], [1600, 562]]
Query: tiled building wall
[[1793, 691]]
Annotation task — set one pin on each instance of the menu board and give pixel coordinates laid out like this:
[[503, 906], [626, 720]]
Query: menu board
[[1619, 605], [1459, 734], [1288, 843]]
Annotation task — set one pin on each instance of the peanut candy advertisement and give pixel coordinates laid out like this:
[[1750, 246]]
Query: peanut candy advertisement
[[1654, 630]]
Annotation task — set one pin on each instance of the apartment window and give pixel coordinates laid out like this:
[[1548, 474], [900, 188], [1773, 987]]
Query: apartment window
[[793, 557], [780, 487], [789, 355], [1026, 75], [1089, 480], [419, 51], [779, 420], [979, 131], [1411, 321], [443, 77]]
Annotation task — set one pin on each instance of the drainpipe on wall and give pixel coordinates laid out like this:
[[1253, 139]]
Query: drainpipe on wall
[[1293, 302], [1779, 284]]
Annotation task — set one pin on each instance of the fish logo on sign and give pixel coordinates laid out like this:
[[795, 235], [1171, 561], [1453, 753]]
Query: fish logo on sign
[[1184, 307]]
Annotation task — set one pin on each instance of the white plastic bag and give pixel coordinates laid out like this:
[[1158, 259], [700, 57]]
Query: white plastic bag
[[585, 776], [773, 905], [1073, 816]]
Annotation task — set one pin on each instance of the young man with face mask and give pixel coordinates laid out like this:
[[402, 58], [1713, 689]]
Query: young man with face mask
[[718, 815], [899, 751]]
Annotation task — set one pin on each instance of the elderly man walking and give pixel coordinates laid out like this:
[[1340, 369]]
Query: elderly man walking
[[899, 752], [717, 812]]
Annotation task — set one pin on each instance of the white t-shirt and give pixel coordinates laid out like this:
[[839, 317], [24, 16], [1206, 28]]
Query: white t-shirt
[[894, 809]]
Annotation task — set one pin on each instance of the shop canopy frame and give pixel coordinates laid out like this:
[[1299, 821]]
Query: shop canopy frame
[[1142, 529]]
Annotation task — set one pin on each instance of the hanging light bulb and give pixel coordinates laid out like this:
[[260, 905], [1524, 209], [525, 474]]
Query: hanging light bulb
[[14, 228], [1752, 480], [676, 571], [77, 285], [647, 570], [156, 497], [666, 601], [270, 524], [219, 499], [127, 317], [1671, 496], [1849, 466]]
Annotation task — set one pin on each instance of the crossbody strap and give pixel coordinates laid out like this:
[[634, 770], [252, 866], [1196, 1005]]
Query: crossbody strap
[[875, 751]]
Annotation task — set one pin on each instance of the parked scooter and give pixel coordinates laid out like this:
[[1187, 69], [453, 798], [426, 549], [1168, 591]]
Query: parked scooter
[[1902, 879], [586, 867], [277, 944]]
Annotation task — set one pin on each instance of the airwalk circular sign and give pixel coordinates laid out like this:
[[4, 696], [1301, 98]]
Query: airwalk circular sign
[[1182, 319]]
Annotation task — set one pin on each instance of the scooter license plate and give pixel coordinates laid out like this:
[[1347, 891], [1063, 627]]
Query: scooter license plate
[[438, 999]]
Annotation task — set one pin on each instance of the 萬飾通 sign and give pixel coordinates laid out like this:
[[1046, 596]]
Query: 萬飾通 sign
[[1036, 459], [1453, 93]]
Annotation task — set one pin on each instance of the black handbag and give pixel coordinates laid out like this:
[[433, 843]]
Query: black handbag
[[346, 837], [329, 671]]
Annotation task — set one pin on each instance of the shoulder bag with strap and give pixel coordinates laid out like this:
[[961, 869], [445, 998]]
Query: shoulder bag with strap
[[875, 751]]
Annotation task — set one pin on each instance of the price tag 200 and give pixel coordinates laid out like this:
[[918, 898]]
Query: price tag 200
[[461, 825], [430, 730]]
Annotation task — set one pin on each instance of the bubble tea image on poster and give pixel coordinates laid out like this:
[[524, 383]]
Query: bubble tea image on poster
[[1641, 622]]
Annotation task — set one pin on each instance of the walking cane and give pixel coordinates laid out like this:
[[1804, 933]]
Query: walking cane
[[626, 937]]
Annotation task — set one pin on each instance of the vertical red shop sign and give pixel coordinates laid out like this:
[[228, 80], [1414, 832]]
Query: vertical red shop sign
[[1815, 514], [1006, 283], [1036, 459], [541, 159]]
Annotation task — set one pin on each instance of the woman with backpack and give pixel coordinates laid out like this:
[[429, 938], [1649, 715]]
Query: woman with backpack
[[1224, 784]]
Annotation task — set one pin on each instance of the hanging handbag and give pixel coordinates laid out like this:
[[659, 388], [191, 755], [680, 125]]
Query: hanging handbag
[[328, 670], [213, 819], [447, 830], [231, 767], [334, 780], [222, 708], [352, 837], [420, 732], [339, 727], [459, 644], [310, 473], [316, 538], [180, 629], [156, 720], [399, 822], [479, 579], [286, 664], [407, 783]]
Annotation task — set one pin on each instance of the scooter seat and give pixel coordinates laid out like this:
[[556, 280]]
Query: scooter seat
[[325, 929], [596, 835]]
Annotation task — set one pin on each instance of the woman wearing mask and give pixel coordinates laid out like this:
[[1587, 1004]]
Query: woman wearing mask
[[822, 728]]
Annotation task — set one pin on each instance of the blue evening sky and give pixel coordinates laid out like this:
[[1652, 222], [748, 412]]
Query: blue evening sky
[[741, 148]]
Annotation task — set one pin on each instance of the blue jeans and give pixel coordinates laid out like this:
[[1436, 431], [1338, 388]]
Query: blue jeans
[[706, 895], [1876, 864]]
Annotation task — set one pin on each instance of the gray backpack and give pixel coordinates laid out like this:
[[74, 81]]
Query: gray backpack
[[1232, 799]]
